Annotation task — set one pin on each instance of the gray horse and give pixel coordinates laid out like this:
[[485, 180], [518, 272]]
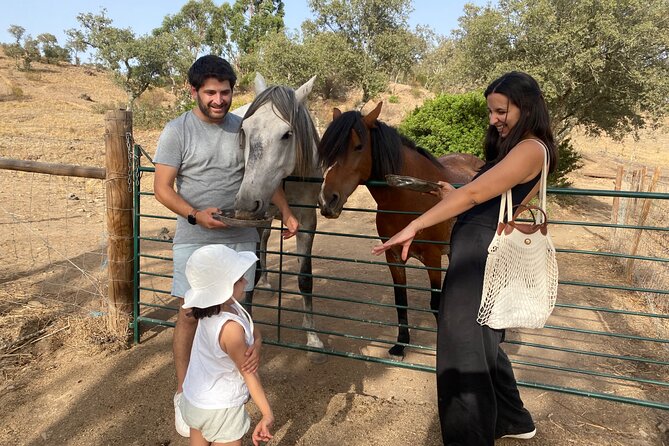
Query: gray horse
[[280, 140]]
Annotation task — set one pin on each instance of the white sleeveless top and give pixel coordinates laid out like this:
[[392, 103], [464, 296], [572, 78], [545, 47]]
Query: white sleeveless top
[[212, 379]]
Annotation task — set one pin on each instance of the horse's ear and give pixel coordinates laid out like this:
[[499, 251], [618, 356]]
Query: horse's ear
[[302, 92], [335, 113], [260, 84], [371, 117]]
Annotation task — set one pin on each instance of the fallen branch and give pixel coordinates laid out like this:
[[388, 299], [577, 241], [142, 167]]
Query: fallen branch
[[605, 175], [7, 355], [23, 339], [50, 334]]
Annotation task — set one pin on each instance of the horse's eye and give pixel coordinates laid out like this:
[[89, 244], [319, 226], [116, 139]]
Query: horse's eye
[[287, 135], [358, 148]]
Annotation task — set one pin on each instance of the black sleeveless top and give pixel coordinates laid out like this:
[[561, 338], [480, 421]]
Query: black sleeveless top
[[487, 213]]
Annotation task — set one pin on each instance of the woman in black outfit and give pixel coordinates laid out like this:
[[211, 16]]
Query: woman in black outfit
[[477, 394]]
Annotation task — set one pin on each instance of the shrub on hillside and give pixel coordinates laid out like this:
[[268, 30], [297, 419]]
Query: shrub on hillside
[[449, 123], [458, 122], [148, 114], [145, 117], [568, 161]]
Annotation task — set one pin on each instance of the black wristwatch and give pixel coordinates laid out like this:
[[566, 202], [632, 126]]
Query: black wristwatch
[[191, 217]]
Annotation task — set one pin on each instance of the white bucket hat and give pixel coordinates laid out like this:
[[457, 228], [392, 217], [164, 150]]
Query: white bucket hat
[[212, 271]]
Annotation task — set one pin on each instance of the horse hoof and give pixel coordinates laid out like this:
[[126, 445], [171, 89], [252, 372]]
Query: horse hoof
[[317, 358], [396, 353]]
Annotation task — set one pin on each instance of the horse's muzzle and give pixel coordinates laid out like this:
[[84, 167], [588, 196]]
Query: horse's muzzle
[[331, 208], [249, 210]]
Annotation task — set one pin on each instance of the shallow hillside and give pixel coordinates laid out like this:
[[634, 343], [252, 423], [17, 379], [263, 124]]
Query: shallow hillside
[[66, 380]]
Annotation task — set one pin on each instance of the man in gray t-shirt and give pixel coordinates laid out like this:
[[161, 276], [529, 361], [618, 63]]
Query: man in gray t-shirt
[[199, 151]]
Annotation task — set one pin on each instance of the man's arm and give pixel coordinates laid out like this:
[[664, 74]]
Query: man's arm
[[252, 354], [163, 188]]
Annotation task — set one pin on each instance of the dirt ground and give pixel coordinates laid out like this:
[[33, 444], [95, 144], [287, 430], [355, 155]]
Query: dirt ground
[[64, 380]]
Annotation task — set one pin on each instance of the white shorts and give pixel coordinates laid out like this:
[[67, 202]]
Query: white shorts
[[181, 253], [216, 425]]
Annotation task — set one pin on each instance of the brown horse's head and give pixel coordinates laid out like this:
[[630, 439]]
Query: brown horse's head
[[347, 153]]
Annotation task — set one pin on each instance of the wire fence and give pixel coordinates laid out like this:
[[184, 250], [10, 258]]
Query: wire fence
[[644, 244], [53, 262], [56, 230]]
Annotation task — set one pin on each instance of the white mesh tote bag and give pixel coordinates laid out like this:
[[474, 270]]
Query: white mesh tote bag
[[521, 273]]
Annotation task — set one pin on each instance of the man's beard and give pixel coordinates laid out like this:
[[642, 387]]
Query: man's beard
[[207, 110]]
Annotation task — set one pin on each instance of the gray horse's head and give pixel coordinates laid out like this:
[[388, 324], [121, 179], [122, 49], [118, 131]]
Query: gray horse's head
[[279, 140]]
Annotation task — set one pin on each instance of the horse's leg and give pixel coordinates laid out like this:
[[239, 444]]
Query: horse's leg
[[399, 278], [247, 303], [261, 278], [432, 259], [305, 282]]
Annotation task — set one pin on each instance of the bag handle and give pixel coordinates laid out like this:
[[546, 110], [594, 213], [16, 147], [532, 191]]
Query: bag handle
[[544, 180], [524, 227], [507, 197]]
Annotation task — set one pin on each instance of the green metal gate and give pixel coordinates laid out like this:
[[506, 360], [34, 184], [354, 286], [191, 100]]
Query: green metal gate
[[608, 337]]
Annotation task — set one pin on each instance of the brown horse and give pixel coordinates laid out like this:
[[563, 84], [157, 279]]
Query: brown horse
[[356, 149]]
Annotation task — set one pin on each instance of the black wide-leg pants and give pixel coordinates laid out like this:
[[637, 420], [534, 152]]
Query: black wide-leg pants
[[477, 394]]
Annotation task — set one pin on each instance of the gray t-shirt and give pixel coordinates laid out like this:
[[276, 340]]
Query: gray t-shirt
[[210, 167]]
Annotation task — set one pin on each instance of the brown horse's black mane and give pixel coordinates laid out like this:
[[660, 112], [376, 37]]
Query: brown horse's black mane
[[386, 143]]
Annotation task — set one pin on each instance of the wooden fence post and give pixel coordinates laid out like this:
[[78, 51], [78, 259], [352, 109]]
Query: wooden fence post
[[616, 200], [119, 200], [645, 210]]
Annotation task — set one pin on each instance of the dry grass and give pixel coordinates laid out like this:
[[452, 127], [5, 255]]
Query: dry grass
[[53, 286], [649, 148], [51, 122], [56, 118]]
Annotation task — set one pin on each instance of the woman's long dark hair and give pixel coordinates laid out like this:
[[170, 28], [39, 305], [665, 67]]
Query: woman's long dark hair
[[523, 91]]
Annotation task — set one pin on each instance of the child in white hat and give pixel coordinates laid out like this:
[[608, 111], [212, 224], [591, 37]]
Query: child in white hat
[[215, 390]]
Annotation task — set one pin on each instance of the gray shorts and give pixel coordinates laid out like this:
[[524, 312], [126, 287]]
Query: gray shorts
[[181, 253], [216, 425]]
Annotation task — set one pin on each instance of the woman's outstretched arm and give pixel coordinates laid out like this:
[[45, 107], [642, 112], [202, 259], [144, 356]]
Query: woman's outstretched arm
[[522, 164]]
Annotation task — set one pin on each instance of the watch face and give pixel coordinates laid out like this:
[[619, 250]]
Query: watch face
[[191, 219]]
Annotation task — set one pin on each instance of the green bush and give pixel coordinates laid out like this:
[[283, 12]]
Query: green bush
[[147, 114], [144, 117], [458, 122], [150, 112], [183, 102], [449, 123], [393, 99], [245, 82], [568, 161]]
